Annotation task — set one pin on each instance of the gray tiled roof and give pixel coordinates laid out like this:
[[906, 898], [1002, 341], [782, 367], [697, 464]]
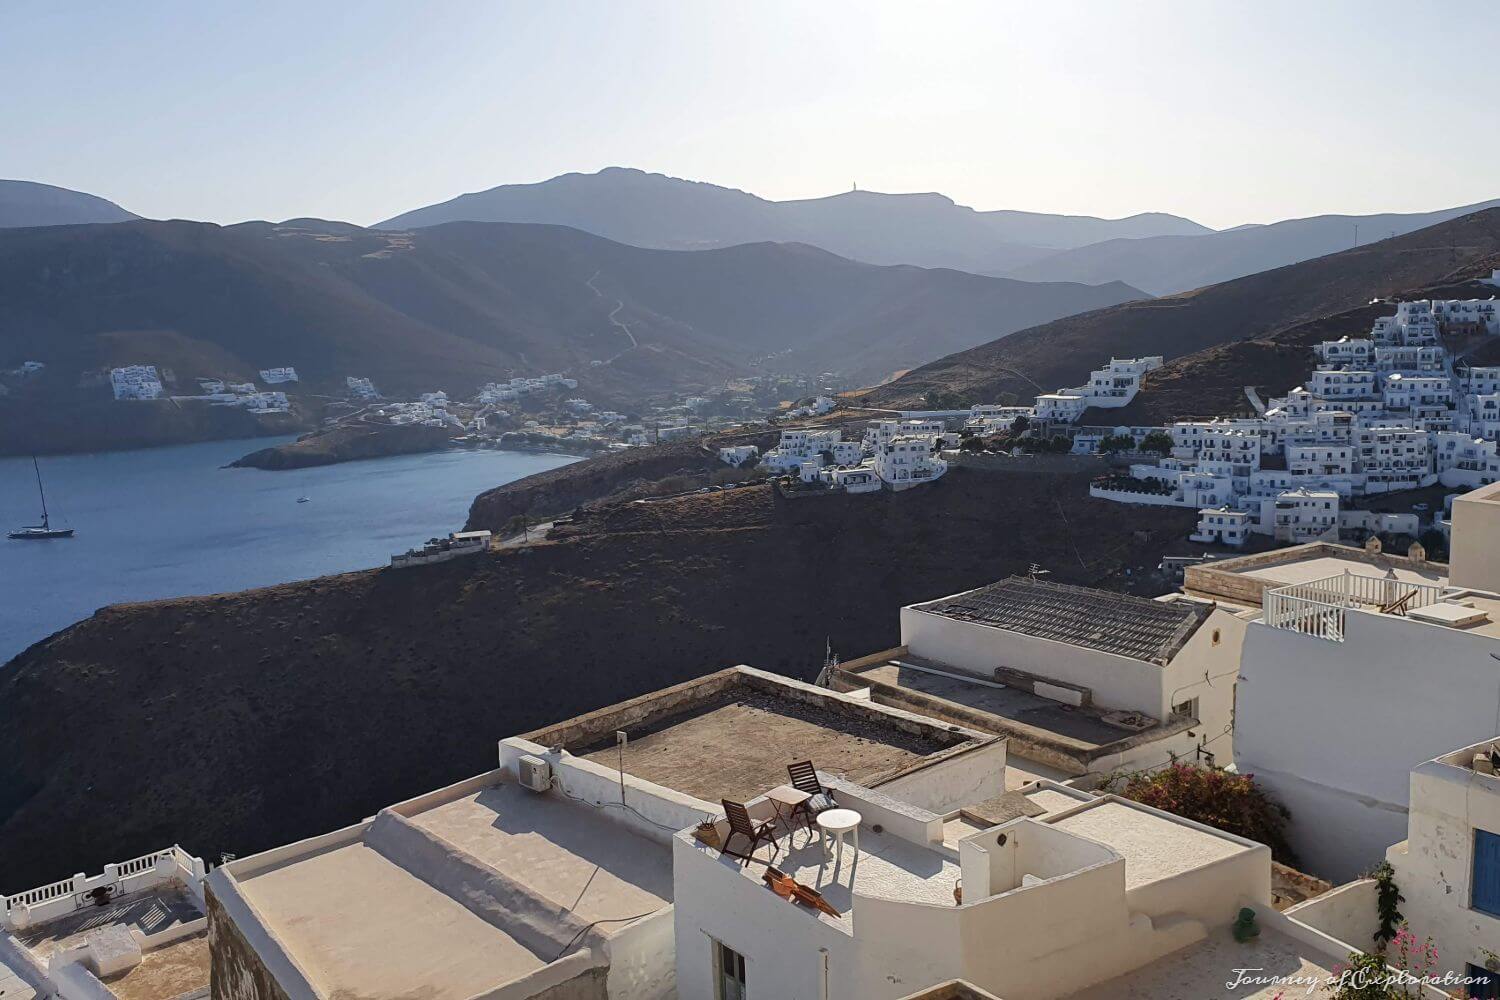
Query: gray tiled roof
[[1081, 616]]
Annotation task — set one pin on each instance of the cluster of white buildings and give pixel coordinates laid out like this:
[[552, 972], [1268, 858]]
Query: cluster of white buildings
[[894, 454], [1108, 388], [360, 388], [505, 392], [136, 382], [275, 376], [1379, 414], [220, 392], [818, 407], [428, 410]]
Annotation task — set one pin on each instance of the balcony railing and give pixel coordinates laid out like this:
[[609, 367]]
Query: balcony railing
[[1319, 608]]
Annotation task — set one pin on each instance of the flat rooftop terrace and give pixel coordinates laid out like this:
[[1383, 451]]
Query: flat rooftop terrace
[[398, 911], [1243, 579], [1320, 567], [732, 734], [1205, 969], [363, 926], [557, 848], [164, 973], [1154, 847]]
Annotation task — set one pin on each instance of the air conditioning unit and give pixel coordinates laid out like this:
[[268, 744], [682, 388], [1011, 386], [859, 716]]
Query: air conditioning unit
[[535, 773]]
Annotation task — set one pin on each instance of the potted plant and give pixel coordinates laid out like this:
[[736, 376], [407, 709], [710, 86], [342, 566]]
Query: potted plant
[[707, 833]]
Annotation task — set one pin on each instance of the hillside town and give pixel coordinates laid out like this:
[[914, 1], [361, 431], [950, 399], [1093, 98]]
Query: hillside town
[[871, 835]]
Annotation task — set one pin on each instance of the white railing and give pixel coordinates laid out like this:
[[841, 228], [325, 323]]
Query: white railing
[[1318, 608], [55, 898], [40, 894]]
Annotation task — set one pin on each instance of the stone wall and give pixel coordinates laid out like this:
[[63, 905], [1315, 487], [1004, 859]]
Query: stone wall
[[236, 971]]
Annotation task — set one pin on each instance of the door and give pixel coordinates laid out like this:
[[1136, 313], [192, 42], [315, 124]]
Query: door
[[1485, 894], [729, 968]]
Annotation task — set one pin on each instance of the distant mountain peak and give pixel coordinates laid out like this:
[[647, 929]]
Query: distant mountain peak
[[657, 211], [32, 203]]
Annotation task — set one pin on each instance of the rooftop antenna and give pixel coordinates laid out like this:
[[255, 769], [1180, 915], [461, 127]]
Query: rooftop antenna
[[621, 738], [830, 664], [1035, 570]]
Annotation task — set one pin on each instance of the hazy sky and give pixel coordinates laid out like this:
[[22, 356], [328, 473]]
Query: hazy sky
[[1224, 112]]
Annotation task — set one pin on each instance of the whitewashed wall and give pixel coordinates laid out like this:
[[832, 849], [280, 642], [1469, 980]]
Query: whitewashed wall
[[1333, 729]]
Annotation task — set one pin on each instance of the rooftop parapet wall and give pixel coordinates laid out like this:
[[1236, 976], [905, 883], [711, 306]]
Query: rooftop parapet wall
[[597, 728], [1227, 579]]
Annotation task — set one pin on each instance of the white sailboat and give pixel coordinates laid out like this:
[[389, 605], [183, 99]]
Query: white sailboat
[[45, 529]]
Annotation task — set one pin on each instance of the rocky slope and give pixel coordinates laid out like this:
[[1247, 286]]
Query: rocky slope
[[1063, 352], [240, 721], [347, 443]]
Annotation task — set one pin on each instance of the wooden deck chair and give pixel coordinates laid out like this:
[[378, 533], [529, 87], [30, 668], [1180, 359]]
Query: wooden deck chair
[[805, 779], [755, 834]]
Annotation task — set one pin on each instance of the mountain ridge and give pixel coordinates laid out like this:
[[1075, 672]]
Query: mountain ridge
[[1165, 265], [32, 203], [661, 212], [454, 306], [1062, 352]]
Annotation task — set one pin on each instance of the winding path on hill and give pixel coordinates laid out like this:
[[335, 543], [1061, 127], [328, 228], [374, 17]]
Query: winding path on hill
[[621, 324]]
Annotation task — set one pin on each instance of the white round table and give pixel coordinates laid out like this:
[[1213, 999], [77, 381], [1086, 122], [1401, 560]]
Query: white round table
[[837, 822]]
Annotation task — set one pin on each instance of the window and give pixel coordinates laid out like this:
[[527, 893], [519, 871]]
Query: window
[[729, 973], [1485, 896], [1187, 709], [1485, 985]]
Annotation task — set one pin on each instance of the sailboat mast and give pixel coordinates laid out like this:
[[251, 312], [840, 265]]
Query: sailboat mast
[[41, 492]]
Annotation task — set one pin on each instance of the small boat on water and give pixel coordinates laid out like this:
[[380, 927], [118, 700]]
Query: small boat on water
[[45, 529], [303, 499]]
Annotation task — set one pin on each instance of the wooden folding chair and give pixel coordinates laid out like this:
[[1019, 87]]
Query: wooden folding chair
[[741, 825], [805, 779]]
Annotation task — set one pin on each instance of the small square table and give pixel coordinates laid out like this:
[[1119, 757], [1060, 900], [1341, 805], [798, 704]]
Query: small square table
[[785, 800]]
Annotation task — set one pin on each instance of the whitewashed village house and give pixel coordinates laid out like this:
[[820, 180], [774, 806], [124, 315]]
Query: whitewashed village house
[[1344, 647]]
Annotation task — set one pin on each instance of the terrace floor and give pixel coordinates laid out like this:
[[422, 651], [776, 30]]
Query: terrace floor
[[567, 852], [737, 748], [1323, 566], [886, 866], [1203, 971], [1154, 847], [364, 927], [179, 968], [150, 912]]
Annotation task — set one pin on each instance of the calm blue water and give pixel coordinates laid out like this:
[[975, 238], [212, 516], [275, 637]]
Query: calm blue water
[[166, 522]]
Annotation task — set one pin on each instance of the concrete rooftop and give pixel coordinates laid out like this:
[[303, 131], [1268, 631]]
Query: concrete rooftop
[[562, 850], [364, 927], [1323, 566], [1203, 970], [738, 747], [1154, 847], [364, 922]]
